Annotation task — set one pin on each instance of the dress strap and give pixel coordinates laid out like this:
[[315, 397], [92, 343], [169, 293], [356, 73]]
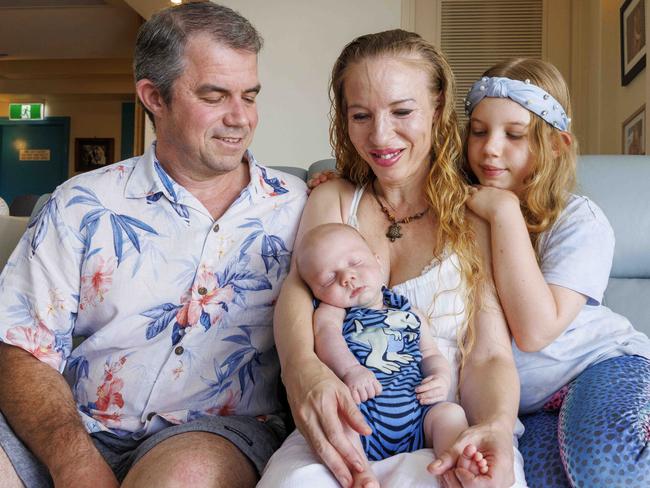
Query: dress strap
[[352, 214]]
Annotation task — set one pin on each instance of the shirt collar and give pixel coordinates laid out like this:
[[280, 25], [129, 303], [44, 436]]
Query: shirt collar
[[149, 178]]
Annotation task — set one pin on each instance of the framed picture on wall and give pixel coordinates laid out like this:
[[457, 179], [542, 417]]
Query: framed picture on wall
[[633, 42], [93, 153], [634, 133]]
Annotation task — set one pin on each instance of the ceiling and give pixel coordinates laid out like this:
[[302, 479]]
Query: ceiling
[[69, 47]]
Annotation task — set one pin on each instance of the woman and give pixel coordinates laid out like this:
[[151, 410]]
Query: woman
[[396, 142]]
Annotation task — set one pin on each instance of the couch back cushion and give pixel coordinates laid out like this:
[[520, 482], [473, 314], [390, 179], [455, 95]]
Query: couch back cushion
[[619, 185]]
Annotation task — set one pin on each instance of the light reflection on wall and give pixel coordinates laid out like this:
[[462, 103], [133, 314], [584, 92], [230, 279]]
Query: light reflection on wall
[[20, 144]]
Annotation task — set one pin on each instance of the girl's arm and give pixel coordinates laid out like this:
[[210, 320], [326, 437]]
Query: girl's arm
[[537, 312], [332, 349], [320, 402], [489, 390]]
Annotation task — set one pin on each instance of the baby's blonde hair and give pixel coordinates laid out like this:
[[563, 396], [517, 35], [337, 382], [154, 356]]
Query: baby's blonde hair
[[553, 176]]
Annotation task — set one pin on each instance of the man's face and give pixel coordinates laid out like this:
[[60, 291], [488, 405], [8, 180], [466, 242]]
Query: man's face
[[212, 116]]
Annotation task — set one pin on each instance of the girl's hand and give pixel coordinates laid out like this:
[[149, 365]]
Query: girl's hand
[[494, 441], [434, 388], [321, 177], [487, 201]]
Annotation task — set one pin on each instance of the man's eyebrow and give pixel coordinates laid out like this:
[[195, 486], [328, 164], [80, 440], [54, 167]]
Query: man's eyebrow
[[209, 88]]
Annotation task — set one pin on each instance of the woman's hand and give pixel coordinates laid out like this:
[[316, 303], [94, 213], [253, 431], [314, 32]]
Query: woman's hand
[[494, 442], [487, 201], [324, 410]]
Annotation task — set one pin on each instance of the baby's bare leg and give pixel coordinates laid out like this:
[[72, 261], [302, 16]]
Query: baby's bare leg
[[443, 424], [365, 479]]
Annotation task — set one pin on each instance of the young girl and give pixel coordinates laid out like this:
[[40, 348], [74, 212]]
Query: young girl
[[585, 373]]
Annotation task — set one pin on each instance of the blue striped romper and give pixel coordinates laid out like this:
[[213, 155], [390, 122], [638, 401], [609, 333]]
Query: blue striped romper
[[382, 340]]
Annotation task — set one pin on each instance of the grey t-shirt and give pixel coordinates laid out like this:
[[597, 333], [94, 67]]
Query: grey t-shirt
[[576, 253]]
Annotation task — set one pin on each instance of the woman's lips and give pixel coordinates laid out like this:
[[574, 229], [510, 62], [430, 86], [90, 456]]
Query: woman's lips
[[386, 157]]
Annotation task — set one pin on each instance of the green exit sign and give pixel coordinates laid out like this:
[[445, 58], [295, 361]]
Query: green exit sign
[[26, 111]]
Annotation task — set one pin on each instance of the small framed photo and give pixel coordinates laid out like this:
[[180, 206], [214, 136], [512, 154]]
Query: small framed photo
[[633, 45], [634, 133], [93, 153]]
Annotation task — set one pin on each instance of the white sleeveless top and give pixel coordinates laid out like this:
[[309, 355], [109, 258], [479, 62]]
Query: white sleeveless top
[[437, 292]]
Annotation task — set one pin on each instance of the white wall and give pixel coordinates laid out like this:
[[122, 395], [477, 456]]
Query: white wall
[[302, 40]]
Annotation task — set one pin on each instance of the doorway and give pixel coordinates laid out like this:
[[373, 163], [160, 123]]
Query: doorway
[[33, 156]]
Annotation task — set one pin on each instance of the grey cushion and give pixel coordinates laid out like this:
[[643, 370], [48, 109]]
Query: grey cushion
[[630, 297], [619, 185]]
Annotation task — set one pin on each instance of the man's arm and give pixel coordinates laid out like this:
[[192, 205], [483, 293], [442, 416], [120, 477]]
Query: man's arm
[[38, 405]]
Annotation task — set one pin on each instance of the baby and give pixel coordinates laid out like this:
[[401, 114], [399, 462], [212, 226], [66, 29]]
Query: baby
[[385, 353]]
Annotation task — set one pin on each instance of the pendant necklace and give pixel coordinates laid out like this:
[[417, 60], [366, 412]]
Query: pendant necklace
[[394, 229]]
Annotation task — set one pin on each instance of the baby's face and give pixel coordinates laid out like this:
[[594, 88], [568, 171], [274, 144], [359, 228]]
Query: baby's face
[[342, 271]]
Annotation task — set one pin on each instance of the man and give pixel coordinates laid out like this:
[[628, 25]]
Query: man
[[169, 264]]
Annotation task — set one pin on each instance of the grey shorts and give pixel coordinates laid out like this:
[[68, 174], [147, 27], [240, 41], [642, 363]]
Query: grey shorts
[[257, 440]]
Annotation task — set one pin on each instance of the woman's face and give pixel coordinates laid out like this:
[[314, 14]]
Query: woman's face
[[390, 112]]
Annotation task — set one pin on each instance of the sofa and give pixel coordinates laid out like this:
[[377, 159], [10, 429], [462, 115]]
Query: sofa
[[618, 184]]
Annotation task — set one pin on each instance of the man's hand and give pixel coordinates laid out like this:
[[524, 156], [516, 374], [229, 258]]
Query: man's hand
[[487, 201], [362, 382], [495, 443], [321, 404], [434, 388]]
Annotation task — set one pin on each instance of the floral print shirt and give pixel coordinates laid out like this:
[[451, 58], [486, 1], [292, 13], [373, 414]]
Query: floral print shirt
[[176, 307]]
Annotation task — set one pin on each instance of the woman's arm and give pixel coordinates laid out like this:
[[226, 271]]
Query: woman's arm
[[537, 312], [320, 402], [489, 390]]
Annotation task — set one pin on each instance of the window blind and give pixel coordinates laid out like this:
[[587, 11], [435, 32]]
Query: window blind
[[475, 34]]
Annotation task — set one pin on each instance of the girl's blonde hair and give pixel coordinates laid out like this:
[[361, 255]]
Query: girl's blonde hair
[[553, 175], [445, 189]]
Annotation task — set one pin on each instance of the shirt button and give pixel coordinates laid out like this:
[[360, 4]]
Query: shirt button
[[215, 228], [202, 290], [179, 350], [151, 415]]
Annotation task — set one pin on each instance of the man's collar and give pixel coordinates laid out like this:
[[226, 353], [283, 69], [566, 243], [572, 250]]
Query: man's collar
[[149, 178]]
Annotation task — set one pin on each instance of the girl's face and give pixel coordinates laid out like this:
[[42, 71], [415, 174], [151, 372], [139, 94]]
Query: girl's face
[[497, 146], [390, 113]]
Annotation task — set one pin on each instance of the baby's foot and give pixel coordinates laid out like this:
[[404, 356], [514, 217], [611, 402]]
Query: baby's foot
[[472, 460], [365, 479]]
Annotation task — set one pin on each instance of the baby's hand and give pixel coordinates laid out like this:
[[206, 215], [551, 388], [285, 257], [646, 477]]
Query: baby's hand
[[321, 177], [487, 201], [434, 388], [362, 383]]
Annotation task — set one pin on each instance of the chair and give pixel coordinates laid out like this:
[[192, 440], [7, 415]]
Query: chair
[[22, 205], [38, 205]]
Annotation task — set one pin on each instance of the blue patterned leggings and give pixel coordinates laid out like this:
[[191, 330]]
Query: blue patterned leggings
[[599, 436]]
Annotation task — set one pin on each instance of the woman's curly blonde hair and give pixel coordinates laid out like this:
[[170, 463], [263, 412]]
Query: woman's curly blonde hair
[[553, 175], [445, 189]]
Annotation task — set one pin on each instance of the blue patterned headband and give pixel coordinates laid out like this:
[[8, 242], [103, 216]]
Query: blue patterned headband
[[529, 96]]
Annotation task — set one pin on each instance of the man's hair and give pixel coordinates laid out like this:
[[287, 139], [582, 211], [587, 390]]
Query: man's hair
[[161, 41]]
